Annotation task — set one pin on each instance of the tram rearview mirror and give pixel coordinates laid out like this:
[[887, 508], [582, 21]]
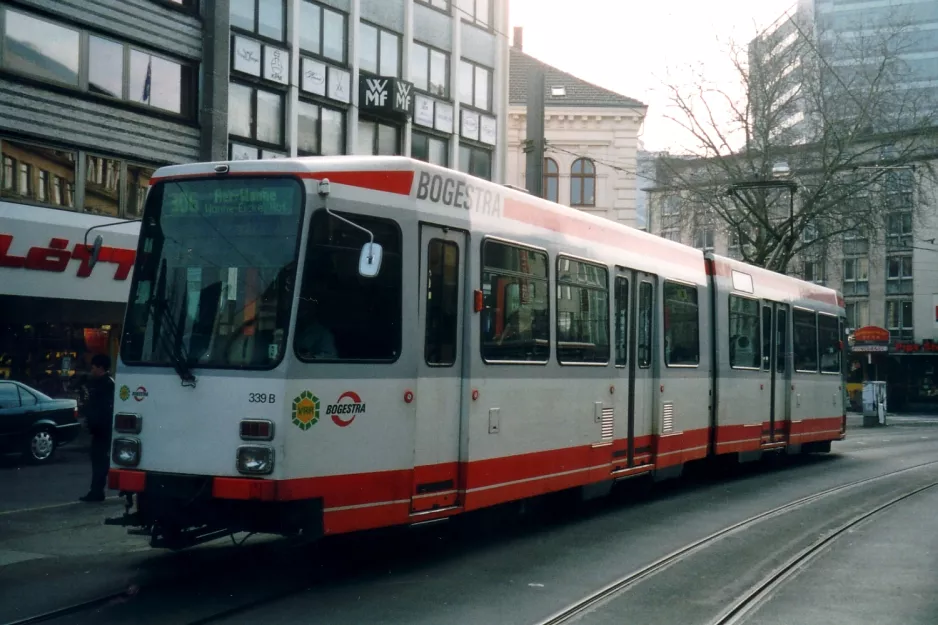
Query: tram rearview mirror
[[369, 263], [95, 251]]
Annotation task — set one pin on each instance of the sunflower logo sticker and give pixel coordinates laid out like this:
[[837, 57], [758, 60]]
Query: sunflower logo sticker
[[305, 410], [125, 393]]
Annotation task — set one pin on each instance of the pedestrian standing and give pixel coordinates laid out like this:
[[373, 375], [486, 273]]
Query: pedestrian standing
[[99, 415]]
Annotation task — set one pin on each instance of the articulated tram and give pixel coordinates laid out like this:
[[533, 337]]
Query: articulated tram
[[324, 345]]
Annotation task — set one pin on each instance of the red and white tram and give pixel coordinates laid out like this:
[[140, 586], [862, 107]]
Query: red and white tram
[[325, 345]]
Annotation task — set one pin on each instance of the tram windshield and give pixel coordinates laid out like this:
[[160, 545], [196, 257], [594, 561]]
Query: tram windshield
[[213, 281]]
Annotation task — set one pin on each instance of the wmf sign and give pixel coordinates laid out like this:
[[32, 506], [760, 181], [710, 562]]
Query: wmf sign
[[390, 97]]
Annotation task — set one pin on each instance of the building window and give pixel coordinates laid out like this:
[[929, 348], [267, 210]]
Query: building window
[[477, 11], [378, 139], [320, 130], [39, 174], [898, 275], [856, 276], [255, 114], [551, 180], [323, 31], [475, 85], [379, 50], [813, 271], [583, 183], [102, 185], [429, 70], [263, 17], [858, 314], [151, 80], [515, 316], [105, 67], [429, 148], [899, 319], [703, 238], [442, 304], [622, 320], [41, 49], [136, 186], [855, 241], [582, 312], [671, 235], [442, 5], [475, 161], [899, 230]]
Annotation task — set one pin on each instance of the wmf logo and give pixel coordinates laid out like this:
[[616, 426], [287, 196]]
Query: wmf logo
[[402, 98], [377, 92]]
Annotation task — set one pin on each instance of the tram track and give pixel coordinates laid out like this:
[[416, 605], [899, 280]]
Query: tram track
[[570, 613], [743, 605]]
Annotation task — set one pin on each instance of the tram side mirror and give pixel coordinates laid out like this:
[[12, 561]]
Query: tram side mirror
[[95, 251], [369, 263]]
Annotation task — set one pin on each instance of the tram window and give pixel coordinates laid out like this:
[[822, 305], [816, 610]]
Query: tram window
[[442, 302], [582, 312], [343, 316], [767, 336], [516, 306], [646, 310], [829, 343], [805, 343], [622, 320], [744, 332], [681, 325], [781, 336]]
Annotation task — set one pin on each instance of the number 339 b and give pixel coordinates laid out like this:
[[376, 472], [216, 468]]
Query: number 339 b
[[262, 398]]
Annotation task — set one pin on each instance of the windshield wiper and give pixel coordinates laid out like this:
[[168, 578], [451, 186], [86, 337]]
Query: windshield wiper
[[171, 341]]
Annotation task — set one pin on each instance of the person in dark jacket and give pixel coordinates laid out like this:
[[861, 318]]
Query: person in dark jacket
[[99, 411]]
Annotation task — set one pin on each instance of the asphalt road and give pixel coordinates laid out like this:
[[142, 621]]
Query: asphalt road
[[520, 571], [63, 480]]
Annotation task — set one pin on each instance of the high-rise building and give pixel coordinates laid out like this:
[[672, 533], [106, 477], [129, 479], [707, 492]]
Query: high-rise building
[[96, 94]]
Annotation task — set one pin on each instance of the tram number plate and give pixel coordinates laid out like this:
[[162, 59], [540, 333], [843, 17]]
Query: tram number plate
[[262, 398]]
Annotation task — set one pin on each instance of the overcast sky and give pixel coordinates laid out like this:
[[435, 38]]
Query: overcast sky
[[631, 46]]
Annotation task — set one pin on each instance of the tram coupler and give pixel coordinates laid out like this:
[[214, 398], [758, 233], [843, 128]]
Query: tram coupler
[[128, 519]]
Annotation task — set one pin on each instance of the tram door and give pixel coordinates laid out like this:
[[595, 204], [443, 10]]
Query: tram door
[[775, 362], [638, 296], [438, 396]]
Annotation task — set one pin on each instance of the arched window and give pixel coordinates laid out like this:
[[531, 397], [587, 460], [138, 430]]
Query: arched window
[[551, 180], [583, 183]]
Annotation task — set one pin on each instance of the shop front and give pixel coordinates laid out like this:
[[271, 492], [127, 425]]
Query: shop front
[[56, 311], [913, 376]]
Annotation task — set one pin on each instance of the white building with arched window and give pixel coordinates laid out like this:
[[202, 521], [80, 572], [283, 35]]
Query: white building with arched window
[[592, 139]]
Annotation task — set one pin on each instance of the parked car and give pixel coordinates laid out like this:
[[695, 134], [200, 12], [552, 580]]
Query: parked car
[[34, 424]]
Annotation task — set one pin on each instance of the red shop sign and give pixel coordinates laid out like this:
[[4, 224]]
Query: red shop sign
[[56, 257]]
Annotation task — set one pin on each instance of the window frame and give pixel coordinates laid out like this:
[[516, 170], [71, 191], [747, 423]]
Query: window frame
[[582, 177], [429, 70], [901, 331], [473, 149], [457, 335], [490, 80], [549, 299], [605, 289], [377, 121], [429, 3], [301, 279], [817, 359], [320, 106], [696, 289], [400, 50], [253, 140], [905, 282], [652, 285], [256, 31], [431, 136], [320, 54], [616, 291], [820, 366], [551, 175], [188, 71], [856, 260], [471, 16], [759, 319]]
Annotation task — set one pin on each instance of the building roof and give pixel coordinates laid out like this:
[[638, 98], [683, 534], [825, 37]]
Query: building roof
[[578, 92]]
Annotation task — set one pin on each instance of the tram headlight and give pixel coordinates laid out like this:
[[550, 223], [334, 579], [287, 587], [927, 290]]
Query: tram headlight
[[255, 459], [126, 452]]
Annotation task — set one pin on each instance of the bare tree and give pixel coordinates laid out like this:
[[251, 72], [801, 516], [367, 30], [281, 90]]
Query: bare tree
[[835, 110]]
